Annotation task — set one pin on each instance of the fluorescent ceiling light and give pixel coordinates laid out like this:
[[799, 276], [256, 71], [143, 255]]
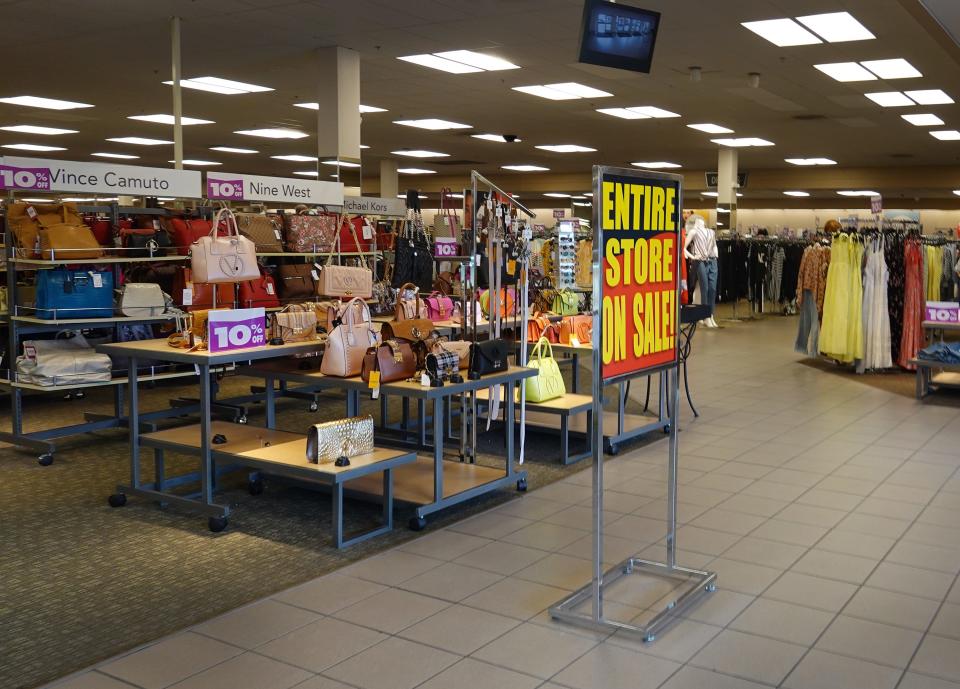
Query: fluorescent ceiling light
[[34, 147], [566, 148], [782, 32], [307, 173], [226, 87], [48, 200], [415, 171], [421, 154], [810, 161], [946, 135], [403, 196], [588, 193], [710, 193], [432, 124], [582, 204], [710, 128], [455, 196], [139, 141], [296, 158], [444, 65], [567, 90], [340, 163], [197, 163], [498, 138], [651, 111], [371, 108], [890, 99], [363, 147], [836, 27], [46, 103], [955, 191], [487, 63], [923, 120], [742, 142], [557, 195], [796, 193], [579, 196], [846, 71], [316, 106], [624, 113], [231, 149], [897, 68], [118, 156], [930, 97], [661, 165], [36, 129], [857, 193], [524, 168], [723, 210], [168, 119], [271, 133], [77, 199]]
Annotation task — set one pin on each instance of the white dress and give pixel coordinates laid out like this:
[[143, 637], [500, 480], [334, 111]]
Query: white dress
[[876, 316]]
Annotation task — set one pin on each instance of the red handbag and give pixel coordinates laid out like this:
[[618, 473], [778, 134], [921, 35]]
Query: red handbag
[[185, 231], [351, 236], [201, 293], [101, 228], [255, 293]]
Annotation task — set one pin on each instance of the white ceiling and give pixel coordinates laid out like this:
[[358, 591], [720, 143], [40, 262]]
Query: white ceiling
[[116, 54]]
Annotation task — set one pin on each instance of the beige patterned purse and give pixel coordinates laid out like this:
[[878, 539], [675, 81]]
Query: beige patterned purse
[[336, 441]]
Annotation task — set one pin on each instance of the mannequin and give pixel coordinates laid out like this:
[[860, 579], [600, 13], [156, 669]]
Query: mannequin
[[700, 249]]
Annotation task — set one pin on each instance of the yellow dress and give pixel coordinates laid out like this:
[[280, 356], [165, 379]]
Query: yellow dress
[[934, 271], [841, 335]]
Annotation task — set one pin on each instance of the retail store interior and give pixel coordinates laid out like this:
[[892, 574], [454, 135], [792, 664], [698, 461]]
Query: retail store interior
[[508, 344]]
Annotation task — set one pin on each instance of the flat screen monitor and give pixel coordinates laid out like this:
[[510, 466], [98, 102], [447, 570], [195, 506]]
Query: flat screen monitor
[[619, 36]]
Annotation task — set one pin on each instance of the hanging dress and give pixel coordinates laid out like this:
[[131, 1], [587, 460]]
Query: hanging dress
[[876, 316], [893, 253], [841, 336], [913, 303]]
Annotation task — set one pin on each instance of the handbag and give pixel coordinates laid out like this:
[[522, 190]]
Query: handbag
[[548, 383], [310, 233], [62, 362], [543, 291], [144, 243], [439, 307], [351, 236], [394, 360], [185, 231], [68, 241], [295, 323], [63, 293], [25, 221], [565, 302], [458, 347], [413, 256], [536, 327], [442, 364], [348, 342], [385, 298], [232, 258], [334, 440], [508, 305], [409, 309], [490, 356], [201, 294], [346, 281], [201, 318], [257, 293], [584, 268], [142, 300], [296, 281], [102, 229], [262, 230], [582, 327], [414, 330]]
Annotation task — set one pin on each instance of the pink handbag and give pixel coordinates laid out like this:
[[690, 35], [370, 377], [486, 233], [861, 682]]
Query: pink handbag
[[348, 342], [345, 281], [439, 307], [231, 258]]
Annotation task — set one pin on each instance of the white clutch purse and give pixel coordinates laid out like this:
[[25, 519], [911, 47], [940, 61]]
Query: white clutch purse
[[142, 300]]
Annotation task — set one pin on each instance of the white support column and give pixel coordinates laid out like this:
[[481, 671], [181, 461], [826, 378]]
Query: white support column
[[177, 94], [727, 186], [389, 180], [338, 117]]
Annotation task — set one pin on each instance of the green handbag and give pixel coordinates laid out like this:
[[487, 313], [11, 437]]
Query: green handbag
[[566, 302], [548, 383]]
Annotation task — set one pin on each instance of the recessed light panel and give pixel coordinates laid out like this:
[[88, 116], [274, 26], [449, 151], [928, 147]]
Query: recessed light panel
[[807, 162], [421, 154], [651, 111], [857, 193], [782, 32], [340, 163], [415, 171], [545, 92], [660, 165], [798, 194], [923, 120], [316, 106], [557, 195], [836, 27], [525, 168], [34, 147], [946, 135], [307, 173], [742, 142], [712, 194], [231, 149], [403, 196], [197, 163], [495, 137], [566, 148], [897, 68], [956, 192], [371, 108], [296, 158], [140, 141], [624, 113], [847, 71], [226, 87], [568, 90], [432, 124], [890, 99], [273, 133], [930, 97], [118, 156], [487, 63], [444, 65], [36, 129], [710, 128], [168, 119], [45, 103]]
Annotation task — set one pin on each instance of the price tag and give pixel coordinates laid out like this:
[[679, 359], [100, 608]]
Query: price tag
[[32, 212], [574, 342], [30, 352], [425, 379], [315, 274], [318, 266], [187, 296], [367, 231], [374, 381], [232, 329], [276, 233], [511, 267], [270, 290], [97, 280]]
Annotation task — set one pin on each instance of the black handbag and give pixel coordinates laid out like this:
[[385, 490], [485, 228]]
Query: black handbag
[[413, 260], [143, 243], [492, 356]]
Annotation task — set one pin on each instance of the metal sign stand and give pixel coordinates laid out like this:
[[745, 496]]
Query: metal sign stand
[[698, 583]]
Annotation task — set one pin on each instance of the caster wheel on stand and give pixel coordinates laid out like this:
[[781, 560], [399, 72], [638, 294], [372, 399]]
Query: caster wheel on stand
[[255, 487], [242, 420], [649, 638], [666, 429], [314, 406], [117, 500], [45, 460], [217, 524], [613, 449], [522, 485], [417, 523]]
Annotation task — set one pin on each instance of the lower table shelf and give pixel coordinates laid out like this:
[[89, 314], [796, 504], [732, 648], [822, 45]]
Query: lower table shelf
[[413, 483]]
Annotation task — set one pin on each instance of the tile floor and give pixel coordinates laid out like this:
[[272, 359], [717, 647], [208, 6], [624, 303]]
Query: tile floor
[[829, 508]]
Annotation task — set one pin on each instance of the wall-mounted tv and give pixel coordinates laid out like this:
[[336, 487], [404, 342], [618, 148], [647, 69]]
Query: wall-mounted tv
[[619, 36]]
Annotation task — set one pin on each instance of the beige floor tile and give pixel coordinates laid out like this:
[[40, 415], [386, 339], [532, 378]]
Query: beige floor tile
[[451, 582], [558, 570], [679, 642], [613, 667], [793, 477], [321, 644], [391, 610], [743, 577], [790, 532], [947, 622], [444, 545], [811, 515], [750, 657], [170, 660], [752, 504], [330, 593], [940, 516], [623, 503], [689, 677], [894, 509], [501, 558], [459, 629], [491, 525], [578, 517], [878, 643], [912, 680], [719, 608], [729, 522], [321, 682], [545, 536], [873, 525], [706, 497], [890, 491], [763, 552], [815, 592], [910, 580], [835, 566], [637, 528], [768, 488], [391, 568], [889, 607], [859, 544], [783, 621], [516, 598], [744, 470], [818, 497], [615, 549], [933, 534], [657, 509], [640, 590], [939, 657], [732, 484], [706, 541], [820, 670], [250, 670], [932, 557], [90, 680], [531, 507], [393, 664], [473, 674], [256, 624], [535, 650]]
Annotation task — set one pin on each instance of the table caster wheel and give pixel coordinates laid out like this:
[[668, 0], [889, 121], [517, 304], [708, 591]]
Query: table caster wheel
[[418, 523], [710, 588], [649, 638], [666, 429], [217, 524], [613, 449], [79, 394], [255, 487], [522, 485], [45, 460], [117, 500], [242, 420], [314, 406]]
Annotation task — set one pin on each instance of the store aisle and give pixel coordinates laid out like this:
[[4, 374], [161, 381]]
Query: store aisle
[[829, 507]]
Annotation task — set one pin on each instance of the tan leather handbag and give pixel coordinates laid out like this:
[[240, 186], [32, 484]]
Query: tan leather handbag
[[232, 258], [348, 342], [458, 347], [409, 309], [262, 230], [295, 323], [394, 360], [29, 221], [345, 281]]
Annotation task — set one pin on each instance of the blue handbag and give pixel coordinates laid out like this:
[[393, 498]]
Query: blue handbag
[[63, 293]]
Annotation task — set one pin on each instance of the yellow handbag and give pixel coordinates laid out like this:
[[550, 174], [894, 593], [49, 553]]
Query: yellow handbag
[[548, 383]]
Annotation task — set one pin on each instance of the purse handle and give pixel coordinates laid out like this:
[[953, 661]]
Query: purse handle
[[537, 351], [416, 293], [229, 217]]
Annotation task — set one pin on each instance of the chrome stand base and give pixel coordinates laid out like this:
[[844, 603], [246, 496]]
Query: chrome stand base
[[576, 608]]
